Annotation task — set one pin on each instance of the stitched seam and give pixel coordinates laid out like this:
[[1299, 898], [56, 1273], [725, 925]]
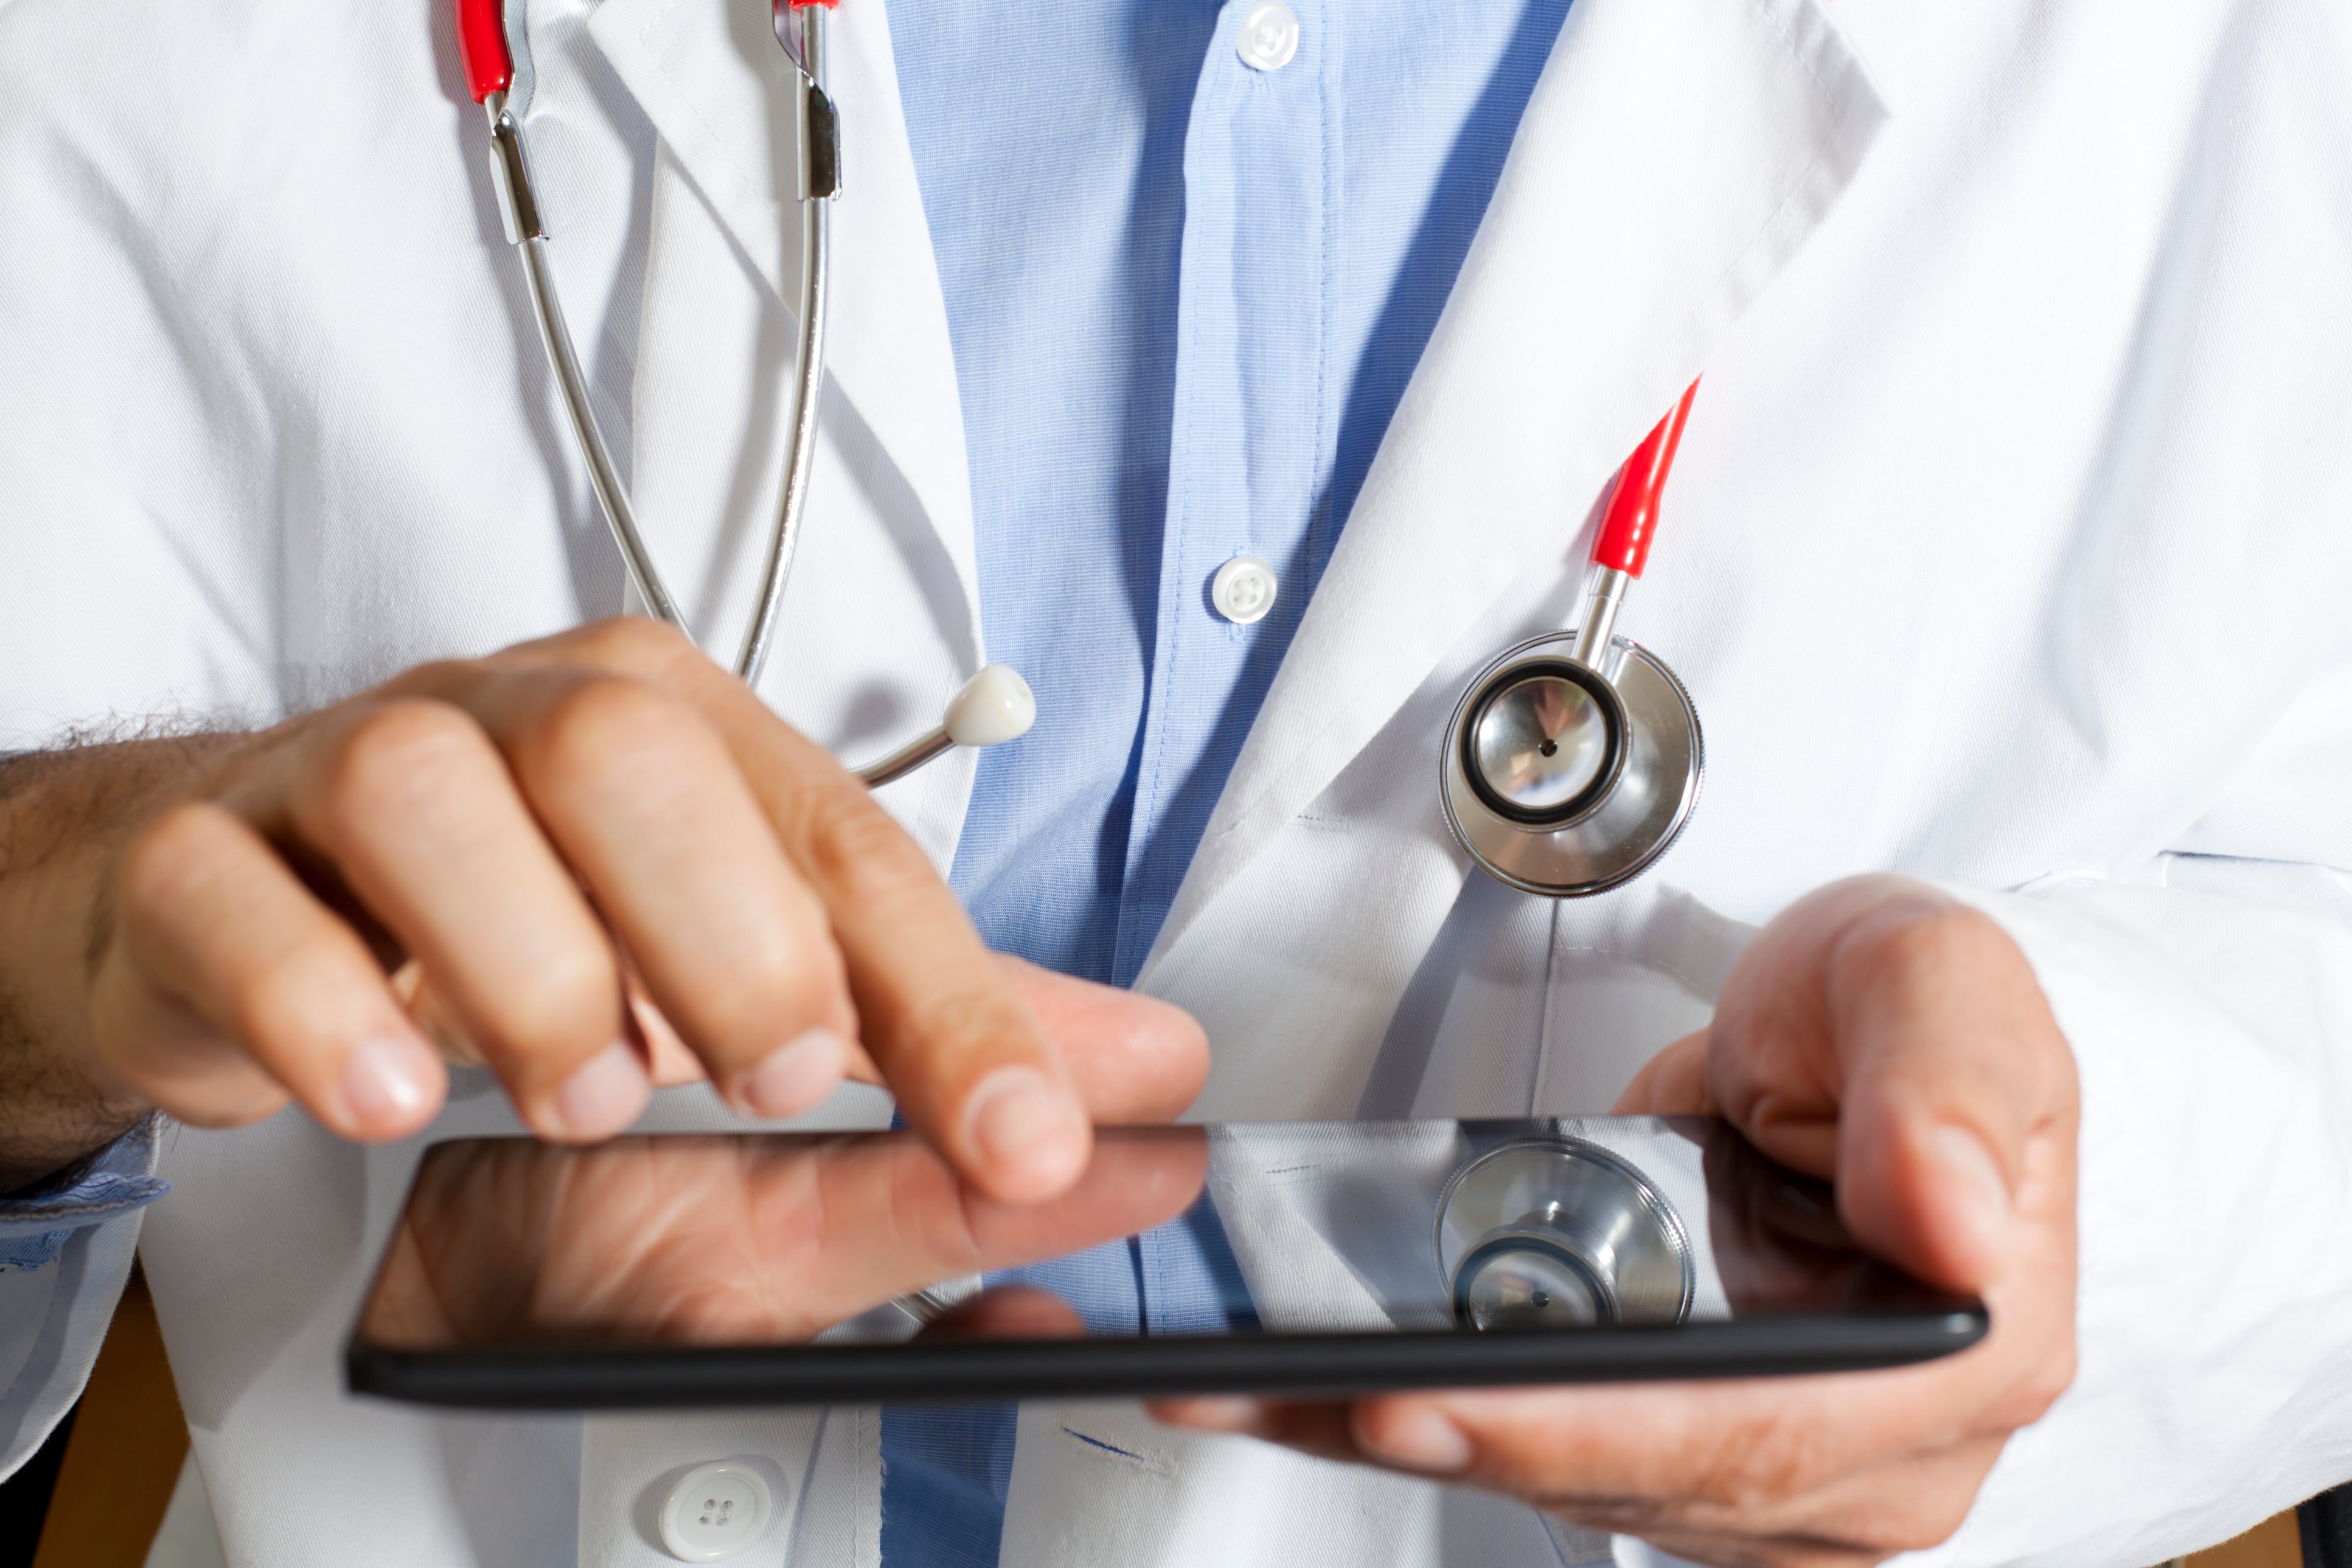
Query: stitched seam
[[1174, 512], [1324, 34], [1778, 18], [1660, 964], [686, 101]]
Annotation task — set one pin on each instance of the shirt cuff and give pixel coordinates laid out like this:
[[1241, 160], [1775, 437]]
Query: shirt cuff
[[120, 1179]]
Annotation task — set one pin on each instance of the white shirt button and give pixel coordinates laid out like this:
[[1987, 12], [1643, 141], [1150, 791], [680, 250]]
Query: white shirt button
[[714, 1513], [1269, 35], [1243, 589]]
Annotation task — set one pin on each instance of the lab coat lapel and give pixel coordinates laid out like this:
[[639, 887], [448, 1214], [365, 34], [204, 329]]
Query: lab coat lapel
[[1674, 157], [711, 76]]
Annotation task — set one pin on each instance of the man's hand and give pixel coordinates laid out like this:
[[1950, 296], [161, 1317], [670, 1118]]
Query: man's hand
[[1882, 1035], [591, 862]]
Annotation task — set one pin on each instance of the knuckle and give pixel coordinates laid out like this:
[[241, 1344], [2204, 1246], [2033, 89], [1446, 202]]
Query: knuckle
[[634, 644], [2039, 1388], [1923, 937], [274, 1003], [1917, 946], [431, 677], [854, 844], [773, 991], [392, 754], [167, 859], [569, 1009], [601, 722]]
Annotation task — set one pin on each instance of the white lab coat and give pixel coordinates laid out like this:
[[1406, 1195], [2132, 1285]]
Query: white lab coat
[[2007, 549]]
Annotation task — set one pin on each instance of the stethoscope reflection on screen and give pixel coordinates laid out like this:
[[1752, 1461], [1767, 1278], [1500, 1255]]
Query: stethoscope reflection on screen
[[1570, 764], [1559, 1233]]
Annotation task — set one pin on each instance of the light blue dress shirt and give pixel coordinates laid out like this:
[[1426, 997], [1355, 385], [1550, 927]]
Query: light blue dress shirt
[[1185, 294]]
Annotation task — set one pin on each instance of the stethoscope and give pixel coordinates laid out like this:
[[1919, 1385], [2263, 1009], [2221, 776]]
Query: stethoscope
[[1574, 759], [1570, 765], [996, 704]]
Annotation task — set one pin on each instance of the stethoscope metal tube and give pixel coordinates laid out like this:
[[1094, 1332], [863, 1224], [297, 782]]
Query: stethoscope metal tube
[[800, 28], [519, 207], [1573, 760]]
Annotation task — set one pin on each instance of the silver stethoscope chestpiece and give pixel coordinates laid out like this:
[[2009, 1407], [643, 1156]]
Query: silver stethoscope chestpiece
[[1565, 781], [1558, 1233], [1573, 760]]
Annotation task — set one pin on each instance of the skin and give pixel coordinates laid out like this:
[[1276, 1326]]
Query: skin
[[1886, 1038], [593, 864]]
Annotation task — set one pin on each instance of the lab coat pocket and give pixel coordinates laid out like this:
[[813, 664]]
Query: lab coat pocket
[[1628, 975], [1529, 1006]]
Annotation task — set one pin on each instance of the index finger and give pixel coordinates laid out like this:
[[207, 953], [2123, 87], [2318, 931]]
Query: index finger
[[970, 1067]]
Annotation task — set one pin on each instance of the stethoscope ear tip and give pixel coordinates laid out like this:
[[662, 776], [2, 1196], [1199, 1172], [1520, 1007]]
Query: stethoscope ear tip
[[993, 707]]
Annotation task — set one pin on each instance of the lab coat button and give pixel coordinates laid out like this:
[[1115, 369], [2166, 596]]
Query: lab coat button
[[1269, 35], [714, 1513], [1242, 591]]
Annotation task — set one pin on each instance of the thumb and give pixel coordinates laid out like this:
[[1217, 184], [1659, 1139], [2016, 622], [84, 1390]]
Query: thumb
[[1958, 1099], [1671, 1084]]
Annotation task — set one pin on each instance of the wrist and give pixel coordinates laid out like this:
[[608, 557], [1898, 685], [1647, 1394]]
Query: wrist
[[64, 815]]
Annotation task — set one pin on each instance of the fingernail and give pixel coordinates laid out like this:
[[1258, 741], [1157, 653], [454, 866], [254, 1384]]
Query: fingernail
[[1977, 1180], [1421, 1440], [602, 1095], [389, 1082], [1030, 1130], [795, 1076]]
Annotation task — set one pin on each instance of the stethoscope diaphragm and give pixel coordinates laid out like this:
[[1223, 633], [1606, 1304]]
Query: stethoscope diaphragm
[[1528, 831]]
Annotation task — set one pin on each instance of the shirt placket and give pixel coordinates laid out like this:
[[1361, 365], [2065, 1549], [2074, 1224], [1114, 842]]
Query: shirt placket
[[1249, 432]]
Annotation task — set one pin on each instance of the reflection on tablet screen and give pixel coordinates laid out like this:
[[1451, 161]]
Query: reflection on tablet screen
[[1322, 1227]]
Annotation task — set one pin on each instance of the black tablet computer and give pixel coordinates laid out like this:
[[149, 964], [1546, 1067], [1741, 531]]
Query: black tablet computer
[[678, 1272]]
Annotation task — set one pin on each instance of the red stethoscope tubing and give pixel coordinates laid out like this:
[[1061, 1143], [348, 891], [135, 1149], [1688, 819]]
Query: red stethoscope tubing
[[1631, 520], [482, 47]]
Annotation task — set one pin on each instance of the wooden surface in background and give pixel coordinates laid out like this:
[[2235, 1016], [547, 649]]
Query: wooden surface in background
[[2273, 1544], [125, 1451]]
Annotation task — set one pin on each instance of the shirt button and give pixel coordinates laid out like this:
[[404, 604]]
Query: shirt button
[[714, 1513], [1269, 37], [1243, 589]]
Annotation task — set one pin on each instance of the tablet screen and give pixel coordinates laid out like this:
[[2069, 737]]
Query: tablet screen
[[1260, 1231]]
